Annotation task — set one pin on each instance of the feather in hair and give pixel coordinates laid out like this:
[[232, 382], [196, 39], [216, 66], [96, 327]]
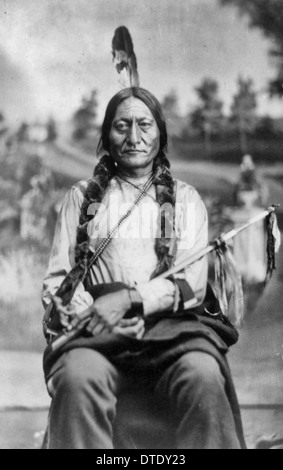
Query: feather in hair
[[124, 58]]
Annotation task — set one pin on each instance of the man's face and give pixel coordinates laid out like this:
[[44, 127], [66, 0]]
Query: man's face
[[134, 136]]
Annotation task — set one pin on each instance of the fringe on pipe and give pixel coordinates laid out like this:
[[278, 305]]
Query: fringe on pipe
[[273, 244], [228, 284]]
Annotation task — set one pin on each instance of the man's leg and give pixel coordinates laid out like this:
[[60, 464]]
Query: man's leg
[[84, 389], [195, 391]]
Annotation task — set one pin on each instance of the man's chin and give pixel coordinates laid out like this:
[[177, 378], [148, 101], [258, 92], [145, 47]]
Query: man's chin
[[135, 162]]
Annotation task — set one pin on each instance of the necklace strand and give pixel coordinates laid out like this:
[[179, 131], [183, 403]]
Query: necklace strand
[[113, 232], [134, 185]]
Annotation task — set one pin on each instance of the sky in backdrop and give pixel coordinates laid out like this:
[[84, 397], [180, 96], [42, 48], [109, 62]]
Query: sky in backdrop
[[52, 52]]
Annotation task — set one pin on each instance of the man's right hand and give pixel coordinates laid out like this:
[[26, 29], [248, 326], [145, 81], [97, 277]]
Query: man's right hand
[[66, 313]]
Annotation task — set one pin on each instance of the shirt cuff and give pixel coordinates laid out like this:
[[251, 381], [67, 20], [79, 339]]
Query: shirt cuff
[[82, 301], [158, 295], [188, 298]]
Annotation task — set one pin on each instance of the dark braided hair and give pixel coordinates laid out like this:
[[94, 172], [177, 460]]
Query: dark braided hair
[[106, 170]]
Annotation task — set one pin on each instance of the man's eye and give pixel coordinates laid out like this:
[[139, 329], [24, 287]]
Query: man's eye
[[121, 127], [145, 125]]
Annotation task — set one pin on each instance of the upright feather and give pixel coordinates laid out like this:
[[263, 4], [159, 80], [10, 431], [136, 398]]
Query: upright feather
[[125, 59]]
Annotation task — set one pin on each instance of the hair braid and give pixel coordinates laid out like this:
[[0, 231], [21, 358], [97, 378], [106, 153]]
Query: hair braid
[[97, 185], [165, 195]]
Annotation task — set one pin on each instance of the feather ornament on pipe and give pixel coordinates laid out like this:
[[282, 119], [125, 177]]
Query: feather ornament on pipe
[[228, 284], [125, 59], [273, 243]]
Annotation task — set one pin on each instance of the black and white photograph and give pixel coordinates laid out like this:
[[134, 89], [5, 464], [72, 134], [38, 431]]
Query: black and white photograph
[[141, 211]]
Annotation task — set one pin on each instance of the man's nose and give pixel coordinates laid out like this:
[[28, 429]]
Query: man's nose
[[134, 136]]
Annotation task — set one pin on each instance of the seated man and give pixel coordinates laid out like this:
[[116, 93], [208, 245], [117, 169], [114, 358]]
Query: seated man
[[166, 347]]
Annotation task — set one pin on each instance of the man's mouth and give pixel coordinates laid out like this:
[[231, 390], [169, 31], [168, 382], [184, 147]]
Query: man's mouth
[[133, 152]]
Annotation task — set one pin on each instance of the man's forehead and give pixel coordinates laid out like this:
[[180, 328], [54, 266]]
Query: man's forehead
[[133, 107]]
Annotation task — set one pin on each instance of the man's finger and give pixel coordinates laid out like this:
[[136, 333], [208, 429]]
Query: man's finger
[[64, 319], [67, 310], [136, 331], [98, 329], [57, 301], [141, 333], [124, 323], [93, 323]]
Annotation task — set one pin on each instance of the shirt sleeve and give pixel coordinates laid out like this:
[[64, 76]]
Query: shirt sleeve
[[157, 295], [191, 237], [62, 258]]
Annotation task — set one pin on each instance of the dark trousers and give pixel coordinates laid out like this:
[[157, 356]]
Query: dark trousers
[[85, 387]]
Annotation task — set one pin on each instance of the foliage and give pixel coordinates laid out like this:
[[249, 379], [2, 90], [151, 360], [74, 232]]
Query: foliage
[[22, 132], [52, 130], [266, 15], [85, 117], [265, 128], [30, 168], [170, 106], [170, 103], [3, 126], [243, 111], [207, 118]]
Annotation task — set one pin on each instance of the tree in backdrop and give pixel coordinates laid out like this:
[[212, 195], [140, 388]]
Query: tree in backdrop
[[52, 132], [265, 129], [268, 16], [207, 118], [170, 103], [170, 106], [3, 127], [30, 167], [243, 111], [85, 117], [22, 133]]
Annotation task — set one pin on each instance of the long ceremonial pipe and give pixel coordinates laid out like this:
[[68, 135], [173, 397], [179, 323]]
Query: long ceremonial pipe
[[212, 245], [78, 324]]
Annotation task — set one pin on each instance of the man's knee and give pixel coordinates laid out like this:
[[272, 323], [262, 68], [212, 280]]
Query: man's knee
[[195, 376], [194, 381], [84, 368], [200, 369]]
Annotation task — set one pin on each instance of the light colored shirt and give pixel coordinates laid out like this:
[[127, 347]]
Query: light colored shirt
[[130, 257]]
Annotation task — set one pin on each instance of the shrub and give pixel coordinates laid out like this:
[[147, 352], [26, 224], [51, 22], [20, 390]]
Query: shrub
[[21, 275]]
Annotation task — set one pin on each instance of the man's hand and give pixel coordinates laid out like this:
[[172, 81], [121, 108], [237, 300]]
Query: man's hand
[[66, 313], [109, 311], [133, 328]]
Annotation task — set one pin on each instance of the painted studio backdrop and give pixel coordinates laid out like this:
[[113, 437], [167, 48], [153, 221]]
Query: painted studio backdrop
[[216, 66]]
